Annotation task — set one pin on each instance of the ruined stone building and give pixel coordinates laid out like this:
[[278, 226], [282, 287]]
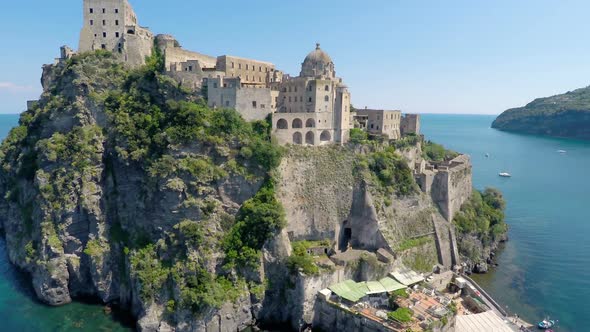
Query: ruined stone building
[[112, 25], [379, 122], [313, 108]]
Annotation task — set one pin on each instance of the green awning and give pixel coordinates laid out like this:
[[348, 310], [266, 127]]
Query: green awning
[[349, 290], [375, 287], [406, 276], [390, 284]]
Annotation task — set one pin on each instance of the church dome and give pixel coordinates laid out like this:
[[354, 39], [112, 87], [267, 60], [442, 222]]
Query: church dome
[[317, 63]]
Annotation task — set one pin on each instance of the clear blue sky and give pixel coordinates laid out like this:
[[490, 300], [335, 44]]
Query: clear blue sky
[[419, 56]]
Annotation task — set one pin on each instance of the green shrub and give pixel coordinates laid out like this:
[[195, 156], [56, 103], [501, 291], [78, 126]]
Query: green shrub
[[436, 152], [30, 252], [415, 242], [257, 221], [191, 231], [147, 267], [358, 136], [391, 172], [402, 315], [95, 248]]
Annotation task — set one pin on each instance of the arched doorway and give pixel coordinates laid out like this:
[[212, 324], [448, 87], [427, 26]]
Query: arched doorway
[[297, 138], [309, 138], [282, 124], [325, 136]]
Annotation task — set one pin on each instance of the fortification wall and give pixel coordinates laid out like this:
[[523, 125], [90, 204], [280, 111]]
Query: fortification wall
[[176, 54], [138, 46], [453, 186], [330, 317]]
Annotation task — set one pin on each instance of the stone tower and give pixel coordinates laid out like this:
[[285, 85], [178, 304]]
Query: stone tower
[[112, 25]]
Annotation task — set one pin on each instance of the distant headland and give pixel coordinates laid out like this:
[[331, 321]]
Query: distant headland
[[565, 115]]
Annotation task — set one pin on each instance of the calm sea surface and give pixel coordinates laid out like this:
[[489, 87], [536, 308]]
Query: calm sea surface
[[544, 268]]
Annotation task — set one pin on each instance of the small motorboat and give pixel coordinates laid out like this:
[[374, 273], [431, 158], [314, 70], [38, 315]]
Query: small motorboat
[[561, 151], [487, 155], [546, 324], [505, 175]]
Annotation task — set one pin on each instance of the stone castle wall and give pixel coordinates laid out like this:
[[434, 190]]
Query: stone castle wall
[[452, 186]]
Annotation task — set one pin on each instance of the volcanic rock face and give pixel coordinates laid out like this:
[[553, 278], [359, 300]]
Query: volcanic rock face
[[113, 191]]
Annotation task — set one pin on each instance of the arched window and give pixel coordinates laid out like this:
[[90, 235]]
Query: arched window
[[310, 123], [325, 136], [297, 123], [327, 88], [309, 138], [282, 124], [297, 138], [326, 98]]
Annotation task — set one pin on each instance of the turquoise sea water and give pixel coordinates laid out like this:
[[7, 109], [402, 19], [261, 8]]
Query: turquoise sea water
[[545, 267], [19, 311]]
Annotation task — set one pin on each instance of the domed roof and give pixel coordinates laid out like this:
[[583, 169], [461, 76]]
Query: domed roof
[[317, 63], [318, 55]]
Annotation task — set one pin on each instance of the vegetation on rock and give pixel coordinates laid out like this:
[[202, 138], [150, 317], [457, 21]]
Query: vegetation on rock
[[436, 153], [141, 122], [301, 260], [565, 115], [389, 171], [402, 315], [482, 217]]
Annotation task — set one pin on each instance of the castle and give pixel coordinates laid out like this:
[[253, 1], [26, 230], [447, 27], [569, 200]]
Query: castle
[[311, 109]]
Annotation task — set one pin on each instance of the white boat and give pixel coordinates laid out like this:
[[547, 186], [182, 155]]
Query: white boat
[[487, 155], [505, 174], [561, 151]]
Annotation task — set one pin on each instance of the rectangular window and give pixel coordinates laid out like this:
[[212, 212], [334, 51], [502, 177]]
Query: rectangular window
[[117, 34], [116, 22], [116, 10], [227, 103], [103, 46], [190, 68], [91, 22], [254, 104], [246, 67], [214, 85], [104, 10], [91, 10], [232, 65], [239, 66], [260, 69], [104, 34], [104, 22], [371, 126], [262, 106]]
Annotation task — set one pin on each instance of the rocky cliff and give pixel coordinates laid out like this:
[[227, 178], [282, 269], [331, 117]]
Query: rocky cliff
[[481, 228], [120, 185], [564, 115]]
